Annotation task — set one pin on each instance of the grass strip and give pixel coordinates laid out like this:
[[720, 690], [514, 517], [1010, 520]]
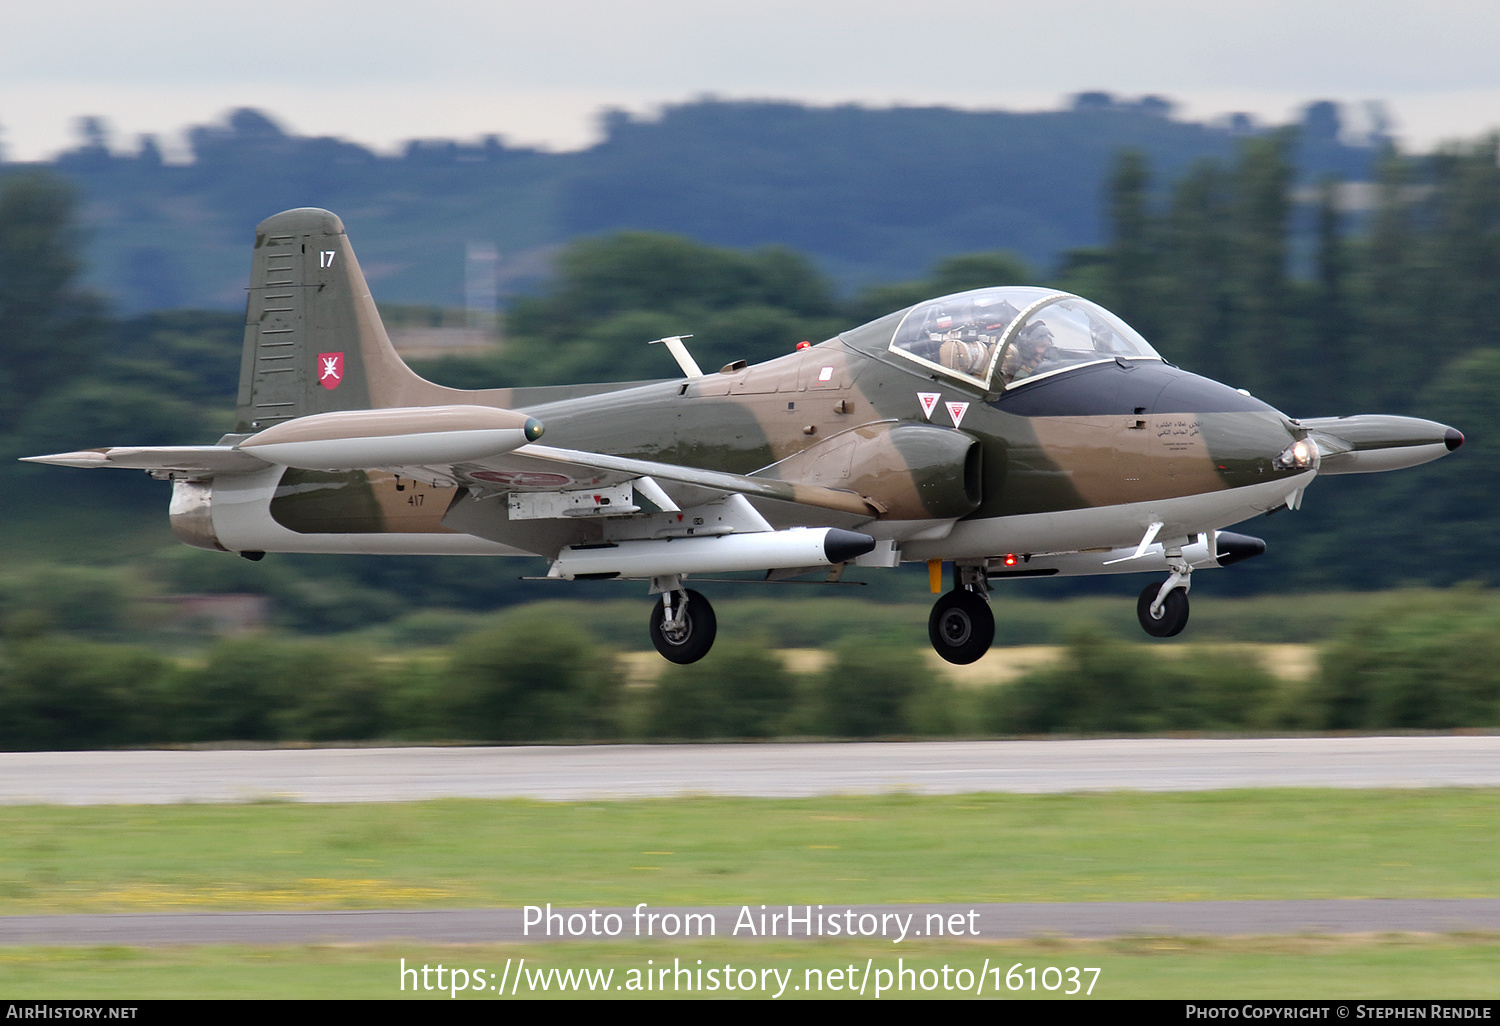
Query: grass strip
[[1364, 967], [1256, 844]]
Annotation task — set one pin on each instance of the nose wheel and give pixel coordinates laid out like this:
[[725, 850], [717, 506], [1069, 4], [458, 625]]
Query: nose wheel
[[683, 626], [1162, 616], [961, 626]]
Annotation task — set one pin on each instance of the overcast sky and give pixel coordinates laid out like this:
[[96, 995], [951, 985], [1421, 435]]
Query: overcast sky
[[383, 71]]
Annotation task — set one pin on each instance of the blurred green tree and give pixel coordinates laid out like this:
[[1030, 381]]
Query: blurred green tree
[[1463, 251], [613, 294], [340, 694], [1330, 313], [532, 678], [46, 322], [740, 689], [70, 599], [870, 685], [242, 691], [61, 693], [951, 274], [1130, 269], [1105, 685], [1423, 662], [1101, 685], [1195, 316], [1390, 288], [1262, 349]]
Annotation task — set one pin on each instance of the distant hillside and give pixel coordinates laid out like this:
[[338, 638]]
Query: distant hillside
[[872, 195]]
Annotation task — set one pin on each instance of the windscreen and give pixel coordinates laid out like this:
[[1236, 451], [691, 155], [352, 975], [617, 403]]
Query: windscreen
[[1000, 337]]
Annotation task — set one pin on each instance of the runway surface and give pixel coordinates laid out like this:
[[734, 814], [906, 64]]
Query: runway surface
[[1101, 919], [559, 773]]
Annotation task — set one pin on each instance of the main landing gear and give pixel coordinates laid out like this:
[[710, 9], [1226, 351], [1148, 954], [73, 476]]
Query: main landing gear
[[1163, 608], [961, 626], [683, 624]]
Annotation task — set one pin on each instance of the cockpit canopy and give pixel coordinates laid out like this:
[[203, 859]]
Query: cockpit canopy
[[998, 338]]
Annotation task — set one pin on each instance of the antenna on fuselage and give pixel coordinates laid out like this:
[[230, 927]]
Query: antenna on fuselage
[[680, 354]]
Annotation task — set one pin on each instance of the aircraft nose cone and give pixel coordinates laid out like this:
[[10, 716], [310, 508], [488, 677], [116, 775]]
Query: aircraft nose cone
[[1453, 439]]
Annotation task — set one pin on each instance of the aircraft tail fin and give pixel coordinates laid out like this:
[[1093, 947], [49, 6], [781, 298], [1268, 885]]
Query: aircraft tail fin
[[314, 342]]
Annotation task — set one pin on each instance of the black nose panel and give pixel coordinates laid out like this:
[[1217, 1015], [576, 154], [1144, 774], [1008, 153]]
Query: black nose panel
[[1126, 387]]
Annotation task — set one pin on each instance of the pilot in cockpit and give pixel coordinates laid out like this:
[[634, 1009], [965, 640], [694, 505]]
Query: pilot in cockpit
[[1028, 352], [968, 345]]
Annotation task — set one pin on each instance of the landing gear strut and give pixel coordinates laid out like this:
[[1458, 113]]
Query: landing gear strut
[[1163, 608], [683, 625], [961, 626]]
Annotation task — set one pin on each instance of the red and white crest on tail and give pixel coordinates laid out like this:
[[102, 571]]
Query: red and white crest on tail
[[330, 369]]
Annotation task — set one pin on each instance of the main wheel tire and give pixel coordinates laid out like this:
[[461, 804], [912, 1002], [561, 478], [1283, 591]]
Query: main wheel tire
[[1174, 612], [961, 626], [695, 638]]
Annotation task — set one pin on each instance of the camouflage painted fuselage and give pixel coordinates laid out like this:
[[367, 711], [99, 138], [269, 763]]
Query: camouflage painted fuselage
[[1101, 435], [1104, 435]]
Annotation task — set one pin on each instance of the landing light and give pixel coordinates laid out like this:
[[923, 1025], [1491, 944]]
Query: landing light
[[1300, 455]]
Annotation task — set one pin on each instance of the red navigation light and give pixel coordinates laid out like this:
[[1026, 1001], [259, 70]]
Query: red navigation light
[[804, 344]]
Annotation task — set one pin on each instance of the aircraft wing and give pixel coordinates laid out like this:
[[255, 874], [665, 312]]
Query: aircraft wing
[[526, 468], [533, 467]]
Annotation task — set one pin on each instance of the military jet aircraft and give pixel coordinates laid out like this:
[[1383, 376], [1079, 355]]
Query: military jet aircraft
[[1006, 432]]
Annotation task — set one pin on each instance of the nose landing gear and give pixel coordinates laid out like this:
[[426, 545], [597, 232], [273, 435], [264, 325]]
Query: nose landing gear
[[962, 626], [1163, 609]]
